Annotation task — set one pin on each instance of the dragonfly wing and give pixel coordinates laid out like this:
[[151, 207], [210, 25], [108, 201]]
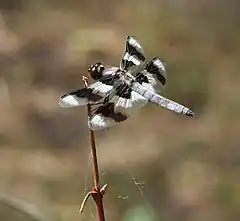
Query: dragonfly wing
[[92, 94], [154, 76], [133, 55], [118, 108]]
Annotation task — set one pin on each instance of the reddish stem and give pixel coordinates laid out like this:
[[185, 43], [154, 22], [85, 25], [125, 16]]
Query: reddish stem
[[96, 192], [94, 155]]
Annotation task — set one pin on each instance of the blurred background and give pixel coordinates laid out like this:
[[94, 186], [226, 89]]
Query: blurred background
[[158, 165]]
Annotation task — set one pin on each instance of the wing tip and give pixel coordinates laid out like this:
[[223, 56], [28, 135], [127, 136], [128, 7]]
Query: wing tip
[[190, 113], [130, 36], [68, 100], [62, 102], [95, 126], [164, 62]]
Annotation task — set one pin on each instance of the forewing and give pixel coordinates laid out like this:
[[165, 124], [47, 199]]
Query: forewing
[[133, 55], [154, 76], [117, 108], [92, 94]]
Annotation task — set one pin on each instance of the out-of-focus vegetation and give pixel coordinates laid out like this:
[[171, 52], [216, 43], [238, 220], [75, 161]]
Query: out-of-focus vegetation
[[188, 168]]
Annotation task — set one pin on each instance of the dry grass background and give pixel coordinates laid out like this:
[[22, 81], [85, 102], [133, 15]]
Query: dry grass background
[[190, 166]]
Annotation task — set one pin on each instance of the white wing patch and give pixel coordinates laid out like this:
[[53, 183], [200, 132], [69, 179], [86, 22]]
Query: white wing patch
[[133, 41], [99, 122], [131, 58], [100, 88]]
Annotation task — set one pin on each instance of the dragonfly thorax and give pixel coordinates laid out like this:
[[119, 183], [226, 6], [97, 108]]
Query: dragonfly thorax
[[126, 77]]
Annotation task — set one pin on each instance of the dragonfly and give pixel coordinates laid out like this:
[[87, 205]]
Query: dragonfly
[[119, 92]]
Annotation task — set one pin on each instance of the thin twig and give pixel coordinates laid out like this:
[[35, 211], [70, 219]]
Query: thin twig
[[84, 201], [96, 192]]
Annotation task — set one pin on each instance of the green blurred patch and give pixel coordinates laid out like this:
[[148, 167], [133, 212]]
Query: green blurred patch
[[138, 213], [227, 194]]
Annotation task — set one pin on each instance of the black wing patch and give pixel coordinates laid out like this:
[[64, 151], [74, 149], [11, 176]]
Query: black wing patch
[[84, 93], [124, 91], [107, 110]]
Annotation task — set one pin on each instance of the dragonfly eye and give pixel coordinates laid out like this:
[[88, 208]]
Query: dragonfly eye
[[96, 71]]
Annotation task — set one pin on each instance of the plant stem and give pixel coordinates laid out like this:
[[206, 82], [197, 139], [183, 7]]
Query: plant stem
[[93, 155], [96, 192]]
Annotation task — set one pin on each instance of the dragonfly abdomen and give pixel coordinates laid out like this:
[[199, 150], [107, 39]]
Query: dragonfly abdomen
[[161, 101]]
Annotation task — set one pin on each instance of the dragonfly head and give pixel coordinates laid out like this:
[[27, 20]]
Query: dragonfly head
[[96, 70]]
